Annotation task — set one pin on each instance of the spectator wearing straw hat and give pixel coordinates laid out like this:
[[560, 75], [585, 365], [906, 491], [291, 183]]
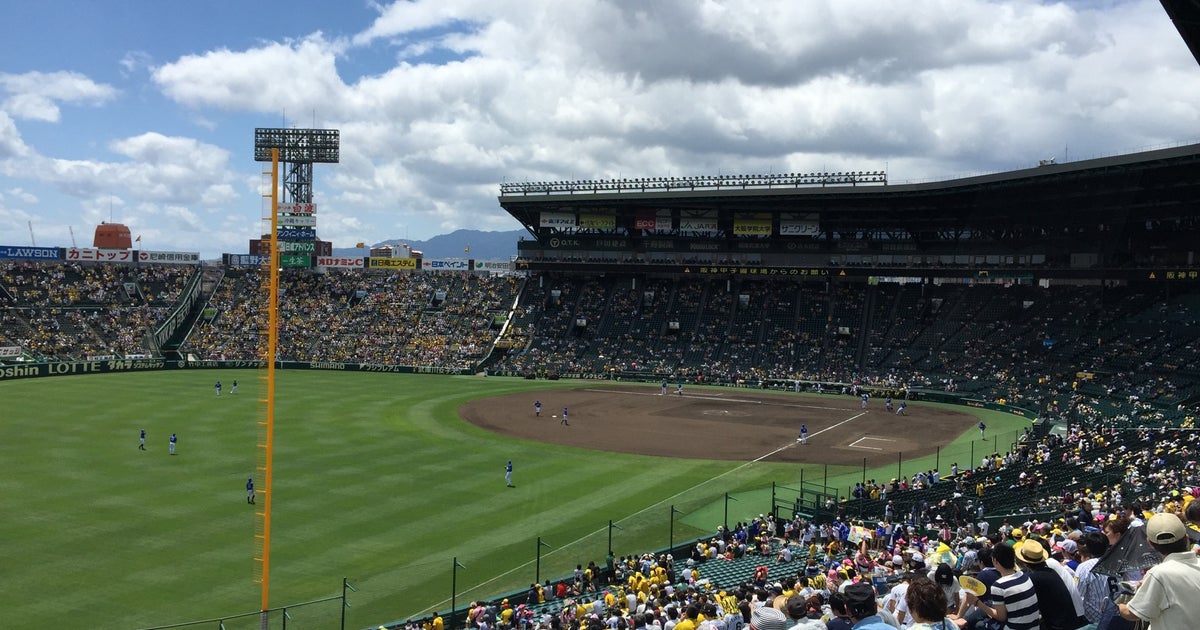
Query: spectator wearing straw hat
[[1055, 603]]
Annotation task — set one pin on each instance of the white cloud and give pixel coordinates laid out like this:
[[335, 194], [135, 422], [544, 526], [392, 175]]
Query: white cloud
[[22, 195], [11, 144], [291, 77], [135, 61], [471, 92], [35, 95], [400, 18]]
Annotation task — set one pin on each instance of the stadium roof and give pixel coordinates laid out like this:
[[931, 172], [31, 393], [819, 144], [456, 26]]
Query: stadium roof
[[1162, 184], [1186, 16]]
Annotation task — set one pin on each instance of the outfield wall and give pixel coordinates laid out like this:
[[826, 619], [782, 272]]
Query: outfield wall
[[68, 368]]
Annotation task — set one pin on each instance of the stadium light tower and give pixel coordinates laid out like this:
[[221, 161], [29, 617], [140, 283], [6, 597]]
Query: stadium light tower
[[299, 149]]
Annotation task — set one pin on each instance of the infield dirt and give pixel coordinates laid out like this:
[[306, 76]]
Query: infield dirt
[[734, 424]]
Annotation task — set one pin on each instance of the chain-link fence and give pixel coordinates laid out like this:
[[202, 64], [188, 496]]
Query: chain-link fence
[[324, 613]]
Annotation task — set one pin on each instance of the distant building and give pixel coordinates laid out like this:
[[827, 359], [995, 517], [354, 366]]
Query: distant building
[[395, 251]]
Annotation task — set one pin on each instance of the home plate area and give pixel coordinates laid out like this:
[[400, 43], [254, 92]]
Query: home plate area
[[880, 443]]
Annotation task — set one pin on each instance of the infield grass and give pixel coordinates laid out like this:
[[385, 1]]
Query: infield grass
[[376, 480]]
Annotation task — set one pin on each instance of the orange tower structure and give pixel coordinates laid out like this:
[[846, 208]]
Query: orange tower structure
[[112, 236]]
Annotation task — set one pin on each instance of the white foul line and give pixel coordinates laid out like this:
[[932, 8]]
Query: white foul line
[[854, 444], [834, 426], [720, 397]]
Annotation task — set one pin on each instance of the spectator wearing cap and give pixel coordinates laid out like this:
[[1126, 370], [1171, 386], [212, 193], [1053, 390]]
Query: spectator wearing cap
[[1070, 551], [944, 577], [798, 608], [1054, 598], [1167, 597], [970, 554], [863, 609]]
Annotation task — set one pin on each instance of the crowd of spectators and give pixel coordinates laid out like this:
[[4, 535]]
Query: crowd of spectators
[[1066, 569], [86, 310], [1113, 354], [1059, 351], [441, 319]]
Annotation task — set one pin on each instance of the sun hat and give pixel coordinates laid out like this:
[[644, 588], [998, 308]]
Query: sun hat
[[1031, 552], [768, 618]]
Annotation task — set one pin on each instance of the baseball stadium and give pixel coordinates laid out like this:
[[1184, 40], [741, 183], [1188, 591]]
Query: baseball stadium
[[691, 391]]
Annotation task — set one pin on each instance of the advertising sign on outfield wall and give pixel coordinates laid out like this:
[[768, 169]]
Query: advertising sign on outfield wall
[[334, 262], [446, 264], [391, 263], [245, 260], [169, 258]]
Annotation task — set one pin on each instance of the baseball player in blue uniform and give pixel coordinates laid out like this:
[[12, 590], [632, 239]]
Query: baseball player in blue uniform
[[537, 408], [803, 434], [173, 441], [564, 418], [508, 474], [250, 490], [218, 386], [142, 442]]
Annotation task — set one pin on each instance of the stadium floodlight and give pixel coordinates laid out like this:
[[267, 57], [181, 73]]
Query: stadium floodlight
[[297, 145]]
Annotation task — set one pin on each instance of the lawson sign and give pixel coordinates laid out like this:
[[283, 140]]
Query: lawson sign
[[43, 253]]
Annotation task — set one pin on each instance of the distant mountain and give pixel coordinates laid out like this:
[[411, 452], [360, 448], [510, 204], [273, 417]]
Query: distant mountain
[[484, 245]]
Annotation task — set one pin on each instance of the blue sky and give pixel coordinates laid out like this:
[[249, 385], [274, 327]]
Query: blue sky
[[144, 111]]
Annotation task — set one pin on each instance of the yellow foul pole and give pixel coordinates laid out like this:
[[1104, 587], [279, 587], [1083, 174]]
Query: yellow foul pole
[[266, 441]]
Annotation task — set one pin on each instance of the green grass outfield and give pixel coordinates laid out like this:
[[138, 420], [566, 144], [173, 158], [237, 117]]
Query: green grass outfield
[[376, 480]]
